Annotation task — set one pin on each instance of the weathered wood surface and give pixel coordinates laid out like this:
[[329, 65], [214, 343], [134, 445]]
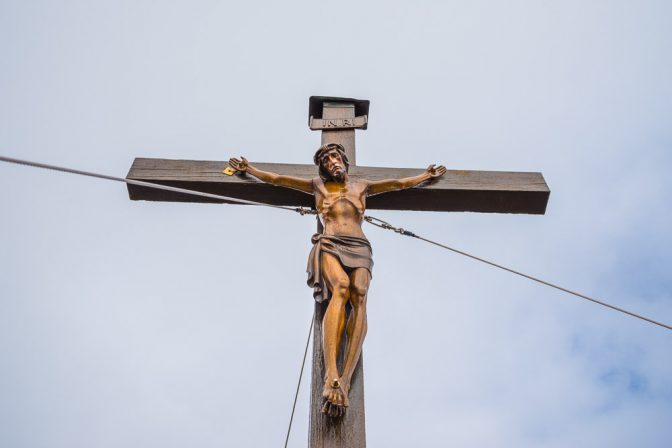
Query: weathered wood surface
[[325, 432], [457, 191]]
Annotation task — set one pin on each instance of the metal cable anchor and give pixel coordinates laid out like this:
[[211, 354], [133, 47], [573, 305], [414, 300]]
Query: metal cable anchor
[[387, 226]]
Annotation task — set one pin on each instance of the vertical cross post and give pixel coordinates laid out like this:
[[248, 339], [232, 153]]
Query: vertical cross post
[[337, 118]]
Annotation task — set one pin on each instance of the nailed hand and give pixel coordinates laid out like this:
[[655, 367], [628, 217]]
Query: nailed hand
[[239, 164], [436, 171]]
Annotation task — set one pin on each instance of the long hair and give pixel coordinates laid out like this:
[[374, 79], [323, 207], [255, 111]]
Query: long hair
[[317, 159]]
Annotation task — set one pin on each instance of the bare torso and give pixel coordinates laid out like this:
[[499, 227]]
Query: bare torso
[[341, 206]]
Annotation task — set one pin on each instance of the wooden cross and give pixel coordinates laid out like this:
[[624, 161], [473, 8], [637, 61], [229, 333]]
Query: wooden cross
[[337, 118]]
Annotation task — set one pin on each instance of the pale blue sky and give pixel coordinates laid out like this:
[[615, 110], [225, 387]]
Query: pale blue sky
[[144, 324]]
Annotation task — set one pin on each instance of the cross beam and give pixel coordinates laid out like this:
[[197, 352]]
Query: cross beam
[[457, 191]]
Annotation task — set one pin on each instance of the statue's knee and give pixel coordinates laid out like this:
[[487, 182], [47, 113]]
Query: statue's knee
[[341, 288], [359, 291], [358, 296]]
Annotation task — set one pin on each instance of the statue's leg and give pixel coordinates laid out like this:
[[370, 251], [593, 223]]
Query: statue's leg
[[333, 322], [357, 326]]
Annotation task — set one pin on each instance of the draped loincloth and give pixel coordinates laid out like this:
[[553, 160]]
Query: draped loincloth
[[352, 252]]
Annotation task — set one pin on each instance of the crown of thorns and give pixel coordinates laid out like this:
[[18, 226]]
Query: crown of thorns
[[317, 159]]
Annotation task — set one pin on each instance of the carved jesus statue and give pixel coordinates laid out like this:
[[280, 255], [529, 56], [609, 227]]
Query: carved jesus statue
[[340, 263]]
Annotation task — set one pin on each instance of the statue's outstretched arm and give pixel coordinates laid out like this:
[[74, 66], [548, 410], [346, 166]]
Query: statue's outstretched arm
[[297, 183], [383, 186]]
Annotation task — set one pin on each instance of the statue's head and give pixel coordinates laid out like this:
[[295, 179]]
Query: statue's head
[[332, 161]]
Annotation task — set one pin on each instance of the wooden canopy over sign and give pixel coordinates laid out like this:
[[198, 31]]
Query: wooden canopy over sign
[[457, 191]]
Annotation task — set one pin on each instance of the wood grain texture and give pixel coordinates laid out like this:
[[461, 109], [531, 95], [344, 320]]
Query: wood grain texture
[[326, 432], [457, 191]]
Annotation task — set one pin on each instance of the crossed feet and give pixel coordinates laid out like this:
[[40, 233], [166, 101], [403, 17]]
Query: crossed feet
[[335, 395]]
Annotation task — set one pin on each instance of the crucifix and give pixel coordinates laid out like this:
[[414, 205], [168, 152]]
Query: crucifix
[[340, 263]]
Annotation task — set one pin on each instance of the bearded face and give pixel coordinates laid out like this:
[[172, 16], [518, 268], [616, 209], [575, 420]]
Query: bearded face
[[332, 163]]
